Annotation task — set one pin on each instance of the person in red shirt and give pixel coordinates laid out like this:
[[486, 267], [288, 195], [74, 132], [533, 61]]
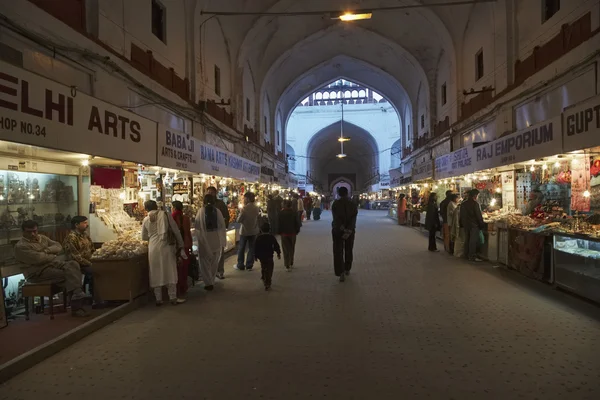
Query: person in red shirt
[[184, 224]]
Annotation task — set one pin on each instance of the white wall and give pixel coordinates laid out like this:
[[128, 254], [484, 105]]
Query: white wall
[[122, 22], [249, 93], [279, 133], [265, 121], [422, 110], [478, 35], [213, 49], [306, 122], [444, 76]]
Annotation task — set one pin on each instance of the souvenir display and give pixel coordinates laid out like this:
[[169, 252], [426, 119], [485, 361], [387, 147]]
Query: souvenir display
[[109, 207], [128, 245]]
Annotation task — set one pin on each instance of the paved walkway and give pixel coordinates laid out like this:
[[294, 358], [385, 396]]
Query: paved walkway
[[408, 324]]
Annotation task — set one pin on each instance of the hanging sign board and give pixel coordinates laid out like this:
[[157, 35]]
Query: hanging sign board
[[395, 177], [580, 183], [40, 112], [177, 150], [582, 125], [422, 171], [459, 162], [541, 140], [508, 189], [216, 161]]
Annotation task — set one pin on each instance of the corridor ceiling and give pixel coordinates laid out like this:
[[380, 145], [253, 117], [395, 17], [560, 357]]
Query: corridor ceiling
[[395, 53]]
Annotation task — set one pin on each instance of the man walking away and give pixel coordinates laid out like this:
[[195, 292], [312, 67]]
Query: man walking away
[[317, 208], [308, 206], [289, 228], [472, 222], [344, 213], [266, 245], [444, 213], [274, 205], [249, 220], [221, 206]]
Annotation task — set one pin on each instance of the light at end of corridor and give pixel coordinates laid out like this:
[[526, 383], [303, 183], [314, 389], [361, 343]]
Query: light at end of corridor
[[343, 139], [349, 16]]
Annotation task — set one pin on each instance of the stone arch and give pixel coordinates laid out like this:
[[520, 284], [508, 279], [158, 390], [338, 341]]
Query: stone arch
[[291, 154]]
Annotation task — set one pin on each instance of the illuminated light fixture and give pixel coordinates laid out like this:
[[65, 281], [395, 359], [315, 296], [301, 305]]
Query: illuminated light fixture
[[493, 202], [85, 163], [586, 193], [435, 187], [426, 185], [350, 16], [122, 195], [1, 197], [31, 197], [575, 161], [544, 167], [341, 155], [343, 139], [498, 190], [532, 168], [557, 164]]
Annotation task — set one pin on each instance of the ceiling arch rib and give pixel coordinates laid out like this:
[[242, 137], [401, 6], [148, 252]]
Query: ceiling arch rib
[[342, 67]]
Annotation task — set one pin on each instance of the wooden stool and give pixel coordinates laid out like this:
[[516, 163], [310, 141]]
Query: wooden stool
[[42, 290]]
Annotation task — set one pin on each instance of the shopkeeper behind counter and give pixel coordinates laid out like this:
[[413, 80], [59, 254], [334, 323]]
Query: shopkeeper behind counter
[[534, 204]]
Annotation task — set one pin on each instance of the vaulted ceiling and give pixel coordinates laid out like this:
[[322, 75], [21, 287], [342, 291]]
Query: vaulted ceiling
[[395, 53]]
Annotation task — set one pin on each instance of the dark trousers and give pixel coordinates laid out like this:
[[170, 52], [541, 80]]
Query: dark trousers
[[317, 214], [288, 246], [249, 240], [266, 270], [88, 280], [342, 252], [471, 241], [432, 240], [308, 213]]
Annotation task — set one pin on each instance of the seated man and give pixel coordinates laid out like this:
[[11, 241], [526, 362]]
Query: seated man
[[43, 264], [79, 247]]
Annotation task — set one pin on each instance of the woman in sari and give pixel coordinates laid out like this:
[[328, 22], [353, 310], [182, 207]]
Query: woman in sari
[[184, 225], [164, 243], [210, 231]]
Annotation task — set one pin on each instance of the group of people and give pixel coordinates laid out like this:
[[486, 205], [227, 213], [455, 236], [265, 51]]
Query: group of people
[[461, 224], [170, 245], [68, 265]]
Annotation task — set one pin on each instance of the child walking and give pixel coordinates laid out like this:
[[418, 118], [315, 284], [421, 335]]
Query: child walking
[[265, 246]]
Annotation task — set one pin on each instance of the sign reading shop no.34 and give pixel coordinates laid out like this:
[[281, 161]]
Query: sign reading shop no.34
[[38, 111]]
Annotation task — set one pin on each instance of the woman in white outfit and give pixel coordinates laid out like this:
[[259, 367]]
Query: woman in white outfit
[[210, 231], [157, 227]]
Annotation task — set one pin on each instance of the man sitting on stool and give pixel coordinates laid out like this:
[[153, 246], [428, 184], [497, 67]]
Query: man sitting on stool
[[79, 247], [44, 265]]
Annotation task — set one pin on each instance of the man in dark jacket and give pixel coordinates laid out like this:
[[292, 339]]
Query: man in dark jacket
[[343, 229], [444, 212], [221, 206], [471, 221], [288, 228]]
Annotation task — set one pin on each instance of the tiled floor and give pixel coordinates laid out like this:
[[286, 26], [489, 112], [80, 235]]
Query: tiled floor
[[408, 324]]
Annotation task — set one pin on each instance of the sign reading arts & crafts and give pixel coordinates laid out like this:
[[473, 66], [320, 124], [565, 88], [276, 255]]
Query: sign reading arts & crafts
[[459, 162], [40, 112], [537, 141], [177, 150], [582, 125]]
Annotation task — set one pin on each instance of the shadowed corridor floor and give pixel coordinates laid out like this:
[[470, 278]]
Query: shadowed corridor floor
[[407, 324]]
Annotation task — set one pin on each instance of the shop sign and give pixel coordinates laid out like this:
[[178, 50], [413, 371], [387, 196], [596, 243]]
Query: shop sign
[[216, 161], [537, 141], [177, 150], [582, 125], [423, 171], [395, 177], [508, 189], [459, 162], [37, 111], [267, 171]]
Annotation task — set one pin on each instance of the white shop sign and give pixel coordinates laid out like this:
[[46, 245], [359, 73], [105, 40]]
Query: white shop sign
[[582, 125], [37, 111], [537, 141], [459, 162], [422, 171], [395, 177], [177, 150], [216, 161], [508, 189]]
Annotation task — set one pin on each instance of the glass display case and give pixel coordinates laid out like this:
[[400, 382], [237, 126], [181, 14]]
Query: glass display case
[[577, 265], [49, 199], [393, 211]]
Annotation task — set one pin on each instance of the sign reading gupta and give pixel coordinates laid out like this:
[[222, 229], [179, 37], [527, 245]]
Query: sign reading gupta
[[41, 112], [582, 125], [177, 150], [537, 141]]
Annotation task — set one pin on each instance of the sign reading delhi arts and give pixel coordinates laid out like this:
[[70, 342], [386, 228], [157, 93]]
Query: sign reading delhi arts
[[41, 112]]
